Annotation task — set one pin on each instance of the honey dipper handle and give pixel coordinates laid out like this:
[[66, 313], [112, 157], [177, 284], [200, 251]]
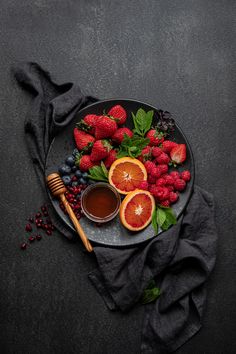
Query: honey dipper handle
[[76, 223]]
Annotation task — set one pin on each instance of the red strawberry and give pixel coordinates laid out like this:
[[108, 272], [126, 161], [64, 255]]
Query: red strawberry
[[118, 113], [85, 163], [179, 184], [165, 203], [163, 158], [156, 151], [100, 150], [110, 158], [120, 133], [91, 120], [105, 127], [168, 145], [173, 197], [155, 137], [145, 154], [175, 174], [186, 176], [82, 139], [178, 153]]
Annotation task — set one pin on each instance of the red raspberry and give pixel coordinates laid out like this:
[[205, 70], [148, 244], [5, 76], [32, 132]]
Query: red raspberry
[[156, 151], [155, 172], [186, 176], [163, 158], [149, 165], [151, 179], [169, 180], [166, 193], [161, 182], [161, 193], [145, 154], [144, 185], [167, 145], [173, 197], [170, 188], [180, 184], [175, 174], [165, 203], [163, 168], [152, 188]]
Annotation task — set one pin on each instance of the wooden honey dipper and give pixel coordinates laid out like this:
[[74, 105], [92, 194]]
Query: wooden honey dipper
[[58, 189]]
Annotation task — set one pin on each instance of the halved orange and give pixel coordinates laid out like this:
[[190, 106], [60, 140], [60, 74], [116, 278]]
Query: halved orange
[[136, 210], [126, 173]]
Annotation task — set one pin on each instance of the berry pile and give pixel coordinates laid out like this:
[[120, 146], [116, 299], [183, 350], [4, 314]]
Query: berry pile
[[40, 220], [76, 181]]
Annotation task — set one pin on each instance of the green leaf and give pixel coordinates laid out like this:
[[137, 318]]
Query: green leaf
[[161, 216], [170, 219], [98, 173], [132, 146], [154, 221], [142, 121], [104, 169], [151, 293]]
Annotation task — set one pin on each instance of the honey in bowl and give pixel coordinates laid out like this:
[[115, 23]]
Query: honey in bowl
[[100, 202]]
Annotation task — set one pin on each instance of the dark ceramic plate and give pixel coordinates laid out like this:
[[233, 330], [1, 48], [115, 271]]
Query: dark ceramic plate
[[112, 233]]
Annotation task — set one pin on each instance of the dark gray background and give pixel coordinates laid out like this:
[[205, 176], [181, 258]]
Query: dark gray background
[[177, 55]]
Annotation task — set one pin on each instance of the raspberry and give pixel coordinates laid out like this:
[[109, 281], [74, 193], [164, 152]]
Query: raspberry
[[180, 184], [163, 158], [149, 165], [163, 168], [156, 172], [170, 188], [157, 191], [144, 185], [161, 182], [151, 179], [175, 174], [169, 180], [173, 197], [165, 203], [186, 176], [156, 151], [166, 193], [152, 188], [168, 145]]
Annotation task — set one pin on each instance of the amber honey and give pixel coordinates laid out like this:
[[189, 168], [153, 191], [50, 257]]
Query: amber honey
[[100, 201]]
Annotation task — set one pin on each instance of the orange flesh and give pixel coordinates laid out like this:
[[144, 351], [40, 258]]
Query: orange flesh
[[127, 176], [138, 210]]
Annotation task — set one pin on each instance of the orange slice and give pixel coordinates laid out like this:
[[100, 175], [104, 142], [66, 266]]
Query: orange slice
[[136, 210], [125, 174]]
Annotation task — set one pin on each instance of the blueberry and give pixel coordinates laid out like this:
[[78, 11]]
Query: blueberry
[[70, 160], [64, 170], [82, 181], [78, 196], [78, 173], [74, 184], [75, 151], [66, 180], [73, 168], [85, 175]]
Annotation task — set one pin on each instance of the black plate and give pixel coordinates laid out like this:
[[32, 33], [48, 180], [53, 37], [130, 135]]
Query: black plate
[[112, 233]]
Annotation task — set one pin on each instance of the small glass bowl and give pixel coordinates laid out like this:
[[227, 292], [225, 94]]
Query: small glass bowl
[[90, 189]]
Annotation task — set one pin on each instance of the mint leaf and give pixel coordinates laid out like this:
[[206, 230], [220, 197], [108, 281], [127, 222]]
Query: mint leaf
[[142, 121], [170, 219], [132, 146], [161, 216], [151, 293], [104, 169], [98, 173]]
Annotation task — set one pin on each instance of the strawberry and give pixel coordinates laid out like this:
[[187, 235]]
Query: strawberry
[[120, 133], [85, 163], [155, 137], [175, 174], [163, 158], [105, 127], [145, 154], [156, 151], [110, 158], [100, 150], [83, 140], [118, 113], [88, 123], [179, 184], [168, 145], [178, 153], [173, 197], [186, 176]]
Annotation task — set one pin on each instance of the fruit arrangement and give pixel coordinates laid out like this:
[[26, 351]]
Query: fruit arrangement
[[141, 163]]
